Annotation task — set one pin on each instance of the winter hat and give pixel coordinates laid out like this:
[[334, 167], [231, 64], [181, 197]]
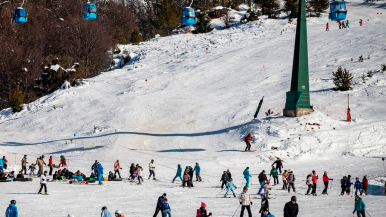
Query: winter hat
[[263, 171], [325, 172], [164, 194], [268, 181], [203, 204], [247, 168], [293, 198], [224, 171], [245, 188], [262, 194], [265, 209]]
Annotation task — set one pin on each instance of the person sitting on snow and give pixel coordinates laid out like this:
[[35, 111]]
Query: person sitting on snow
[[111, 176], [20, 175]]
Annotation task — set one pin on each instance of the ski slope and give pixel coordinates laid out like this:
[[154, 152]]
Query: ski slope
[[191, 98]]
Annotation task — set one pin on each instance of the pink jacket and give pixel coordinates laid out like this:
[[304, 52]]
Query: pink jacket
[[116, 166], [199, 212], [186, 177]]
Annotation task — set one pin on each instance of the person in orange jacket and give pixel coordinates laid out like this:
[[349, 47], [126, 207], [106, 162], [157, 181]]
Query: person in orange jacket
[[117, 167], [314, 182]]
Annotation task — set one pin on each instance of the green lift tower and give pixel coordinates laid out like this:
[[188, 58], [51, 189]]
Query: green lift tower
[[298, 98]]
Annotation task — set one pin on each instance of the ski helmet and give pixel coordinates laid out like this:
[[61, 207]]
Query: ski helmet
[[118, 213], [268, 181], [13, 201], [262, 194], [293, 198]]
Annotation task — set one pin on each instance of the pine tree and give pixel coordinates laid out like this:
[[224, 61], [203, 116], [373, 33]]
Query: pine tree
[[270, 8], [203, 24], [168, 15], [318, 6], [253, 16], [16, 100], [135, 36], [342, 79], [291, 8]]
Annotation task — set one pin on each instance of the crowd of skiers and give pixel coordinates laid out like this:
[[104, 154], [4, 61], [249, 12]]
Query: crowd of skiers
[[343, 24]]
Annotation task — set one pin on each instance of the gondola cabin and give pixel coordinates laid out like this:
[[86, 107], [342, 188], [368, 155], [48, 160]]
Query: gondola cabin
[[188, 17], [90, 11], [338, 11], [20, 15]]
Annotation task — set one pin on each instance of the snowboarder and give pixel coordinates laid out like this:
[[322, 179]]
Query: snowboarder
[[178, 174], [230, 187], [358, 186], [262, 179], [105, 212], [284, 177], [326, 179], [344, 185], [275, 176], [291, 209], [151, 169], [309, 183], [117, 167], [279, 164], [186, 180], [314, 182], [245, 202], [247, 141], [99, 169], [224, 179], [43, 183], [327, 27], [359, 207], [132, 171], [291, 182], [94, 167], [159, 206], [264, 203], [24, 164], [118, 213], [365, 183], [201, 212], [167, 210], [360, 22], [246, 176], [197, 168], [12, 210]]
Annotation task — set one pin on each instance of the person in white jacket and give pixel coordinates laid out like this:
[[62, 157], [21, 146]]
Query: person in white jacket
[[43, 183], [151, 169], [245, 202]]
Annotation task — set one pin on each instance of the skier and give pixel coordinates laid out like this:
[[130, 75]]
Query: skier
[[262, 179], [264, 203], [229, 174], [275, 176], [117, 167], [314, 182], [327, 27], [178, 174], [139, 174], [246, 176], [247, 141], [347, 24], [132, 171], [230, 187], [266, 213], [245, 202], [224, 179], [291, 209], [190, 172], [309, 183], [50, 164], [360, 22], [343, 25], [326, 179], [358, 186], [24, 164], [99, 169], [197, 168], [105, 212], [291, 182], [43, 183], [94, 167], [32, 169], [359, 207], [118, 213], [186, 180], [201, 212], [284, 177], [12, 210], [266, 188], [279, 164], [349, 184], [167, 210], [344, 185], [151, 169], [365, 183], [159, 206]]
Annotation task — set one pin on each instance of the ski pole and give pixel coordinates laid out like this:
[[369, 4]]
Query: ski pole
[[242, 182], [368, 213], [218, 184], [236, 210]]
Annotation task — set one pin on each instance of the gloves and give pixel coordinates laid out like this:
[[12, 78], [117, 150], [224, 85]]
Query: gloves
[[235, 187], [241, 203], [251, 203], [260, 211], [210, 214]]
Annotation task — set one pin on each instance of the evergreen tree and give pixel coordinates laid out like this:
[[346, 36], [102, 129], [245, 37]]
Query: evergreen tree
[[203, 24], [168, 15], [342, 79], [270, 8], [16, 100], [291, 8], [135, 36], [318, 6]]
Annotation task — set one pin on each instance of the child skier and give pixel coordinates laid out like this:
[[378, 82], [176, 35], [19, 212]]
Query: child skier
[[358, 186], [230, 187], [166, 208], [284, 177], [32, 168], [178, 174], [266, 188], [151, 169], [201, 212], [309, 183], [186, 180]]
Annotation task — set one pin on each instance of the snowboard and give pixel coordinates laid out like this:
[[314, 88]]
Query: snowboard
[[22, 179], [79, 183], [6, 180], [120, 179], [105, 180], [64, 180]]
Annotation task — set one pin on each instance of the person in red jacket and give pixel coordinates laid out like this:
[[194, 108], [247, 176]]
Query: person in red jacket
[[247, 140], [201, 212], [365, 184], [326, 179], [361, 22], [314, 181], [327, 27], [51, 165]]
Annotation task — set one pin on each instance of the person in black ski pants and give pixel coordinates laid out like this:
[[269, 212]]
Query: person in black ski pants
[[279, 164], [291, 209], [224, 179], [160, 203], [264, 204]]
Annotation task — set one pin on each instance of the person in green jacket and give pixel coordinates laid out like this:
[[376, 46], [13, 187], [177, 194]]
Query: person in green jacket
[[359, 206], [275, 176]]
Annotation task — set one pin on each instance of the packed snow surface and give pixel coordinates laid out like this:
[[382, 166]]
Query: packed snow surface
[[191, 98]]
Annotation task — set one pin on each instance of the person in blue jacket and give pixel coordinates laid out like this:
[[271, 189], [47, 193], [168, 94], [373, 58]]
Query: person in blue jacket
[[178, 174], [100, 173], [246, 176], [12, 210], [197, 168], [266, 213], [349, 184], [1, 165], [166, 208], [78, 178], [230, 187], [358, 186], [105, 212], [359, 207]]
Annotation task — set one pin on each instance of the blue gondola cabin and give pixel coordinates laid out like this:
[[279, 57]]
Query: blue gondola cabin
[[20, 15], [188, 17], [90, 11], [338, 11]]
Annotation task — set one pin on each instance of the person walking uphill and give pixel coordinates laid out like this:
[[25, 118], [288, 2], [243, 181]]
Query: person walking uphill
[[179, 173], [262, 179], [201, 212], [197, 168], [230, 187], [246, 176], [291, 209], [359, 207], [279, 164], [247, 141], [100, 173], [117, 167], [43, 183], [12, 210], [151, 169], [275, 176], [160, 203], [105, 212]]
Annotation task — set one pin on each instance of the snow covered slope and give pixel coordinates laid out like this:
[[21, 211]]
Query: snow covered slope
[[191, 98]]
